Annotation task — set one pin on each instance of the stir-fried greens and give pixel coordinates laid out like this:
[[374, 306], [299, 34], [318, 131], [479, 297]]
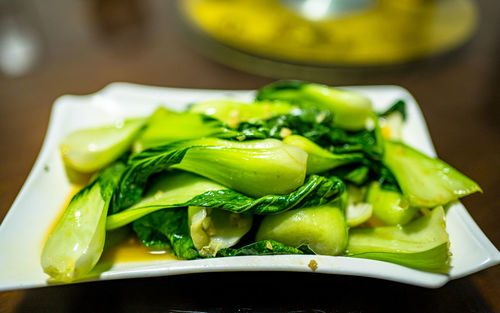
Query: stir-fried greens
[[304, 169]]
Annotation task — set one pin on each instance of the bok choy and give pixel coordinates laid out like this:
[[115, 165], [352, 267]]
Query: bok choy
[[422, 244], [304, 169], [426, 182], [255, 168], [89, 150], [233, 112], [215, 229], [322, 229], [351, 110], [75, 245]]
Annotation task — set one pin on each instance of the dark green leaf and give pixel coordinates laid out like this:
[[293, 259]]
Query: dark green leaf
[[316, 190], [264, 247], [355, 174], [167, 228], [399, 106], [141, 166]]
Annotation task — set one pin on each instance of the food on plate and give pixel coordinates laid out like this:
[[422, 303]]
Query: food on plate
[[304, 169]]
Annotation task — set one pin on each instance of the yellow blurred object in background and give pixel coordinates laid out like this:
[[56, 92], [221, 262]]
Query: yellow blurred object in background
[[335, 33]]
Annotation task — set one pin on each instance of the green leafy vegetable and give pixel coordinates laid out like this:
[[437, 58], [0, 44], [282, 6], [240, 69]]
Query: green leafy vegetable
[[76, 244], [233, 112], [357, 210], [421, 244], [320, 160], [310, 123], [264, 247], [166, 191], [184, 190], [398, 107], [89, 150], [426, 182], [316, 125], [389, 206], [322, 229], [351, 110], [255, 171], [354, 173], [165, 126], [167, 228], [255, 168], [215, 229]]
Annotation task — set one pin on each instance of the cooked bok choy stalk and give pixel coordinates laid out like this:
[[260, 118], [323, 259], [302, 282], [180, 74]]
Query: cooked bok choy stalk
[[322, 229], [234, 112], [421, 244], [426, 182], [389, 206], [320, 160], [165, 126], [357, 210], [255, 168], [167, 191], [351, 110], [214, 229], [76, 244], [89, 150], [184, 189]]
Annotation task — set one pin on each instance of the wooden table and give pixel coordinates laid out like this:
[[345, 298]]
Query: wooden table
[[85, 45]]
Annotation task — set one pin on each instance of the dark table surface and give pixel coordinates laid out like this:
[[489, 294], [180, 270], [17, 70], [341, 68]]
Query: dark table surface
[[84, 45]]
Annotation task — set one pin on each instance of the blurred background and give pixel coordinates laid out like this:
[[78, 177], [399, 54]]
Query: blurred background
[[445, 52]]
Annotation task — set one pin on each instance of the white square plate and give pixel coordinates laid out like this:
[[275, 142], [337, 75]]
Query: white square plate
[[39, 202]]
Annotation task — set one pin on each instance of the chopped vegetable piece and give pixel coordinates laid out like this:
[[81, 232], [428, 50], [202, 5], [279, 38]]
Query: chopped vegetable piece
[[166, 126], [357, 210], [421, 244], [322, 229], [89, 150], [233, 112], [255, 168], [214, 229], [426, 182], [320, 160], [389, 206], [76, 244], [351, 110], [358, 213], [253, 171]]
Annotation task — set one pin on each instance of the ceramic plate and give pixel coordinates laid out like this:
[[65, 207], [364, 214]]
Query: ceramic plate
[[39, 203]]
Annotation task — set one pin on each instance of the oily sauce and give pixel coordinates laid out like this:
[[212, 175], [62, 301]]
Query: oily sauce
[[130, 249]]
